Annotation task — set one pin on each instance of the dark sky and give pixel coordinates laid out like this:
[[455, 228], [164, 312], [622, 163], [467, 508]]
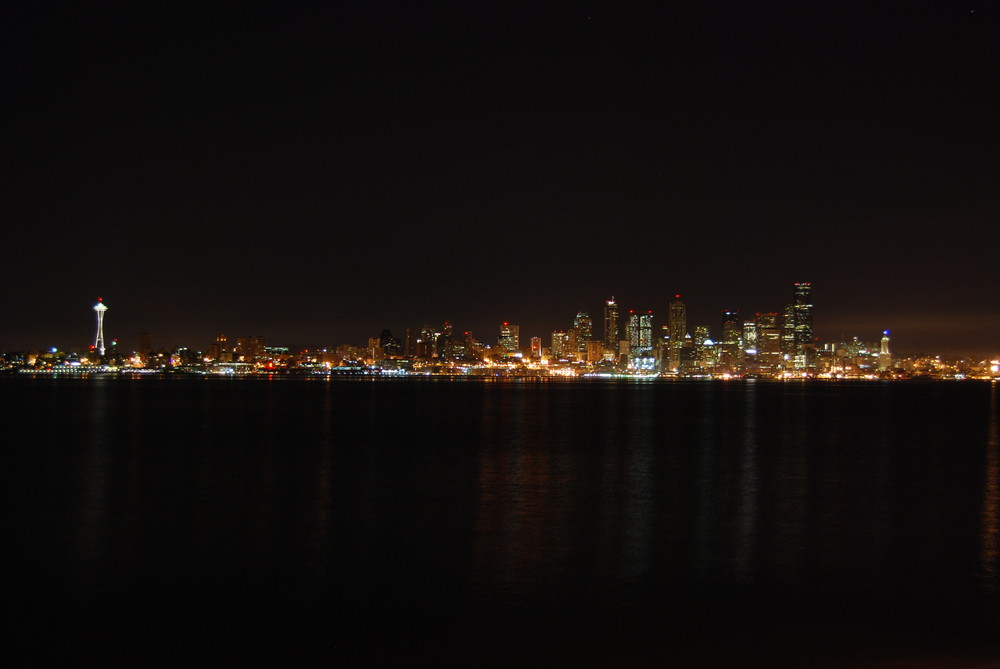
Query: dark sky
[[316, 172]]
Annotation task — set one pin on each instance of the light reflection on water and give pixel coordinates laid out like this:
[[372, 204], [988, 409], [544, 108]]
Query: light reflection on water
[[749, 490], [990, 535], [474, 504]]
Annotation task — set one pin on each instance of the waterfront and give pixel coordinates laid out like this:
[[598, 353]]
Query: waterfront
[[610, 521]]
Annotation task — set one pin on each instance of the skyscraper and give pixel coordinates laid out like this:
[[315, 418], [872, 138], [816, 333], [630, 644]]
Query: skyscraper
[[536, 347], [788, 331], [571, 348], [611, 325], [442, 338], [677, 326], [884, 355], [390, 344], [640, 334], [803, 317], [559, 341], [510, 337], [797, 338], [732, 340], [768, 341], [751, 336], [583, 327], [427, 343]]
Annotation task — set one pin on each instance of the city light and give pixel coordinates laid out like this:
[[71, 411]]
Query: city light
[[778, 344]]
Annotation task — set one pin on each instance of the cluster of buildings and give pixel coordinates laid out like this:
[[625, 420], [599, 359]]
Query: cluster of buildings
[[779, 344]]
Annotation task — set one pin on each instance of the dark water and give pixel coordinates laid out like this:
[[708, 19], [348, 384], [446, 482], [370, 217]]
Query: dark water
[[609, 523]]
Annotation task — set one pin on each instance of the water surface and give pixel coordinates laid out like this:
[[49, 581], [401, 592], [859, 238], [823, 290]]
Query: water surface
[[613, 522]]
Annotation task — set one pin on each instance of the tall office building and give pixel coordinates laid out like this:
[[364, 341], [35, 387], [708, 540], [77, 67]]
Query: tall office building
[[797, 333], [884, 355], [584, 329], [751, 337], [249, 349], [559, 341], [732, 340], [803, 317], [510, 337], [788, 330], [611, 325], [640, 334], [768, 340], [749, 349], [427, 343], [536, 347], [677, 328], [390, 344], [572, 347], [443, 337], [702, 339]]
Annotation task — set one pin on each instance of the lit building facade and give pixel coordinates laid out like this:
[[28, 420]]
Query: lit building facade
[[677, 327], [611, 325], [249, 349], [884, 354], [732, 340], [559, 344], [768, 341], [584, 328], [510, 337], [640, 334], [803, 310]]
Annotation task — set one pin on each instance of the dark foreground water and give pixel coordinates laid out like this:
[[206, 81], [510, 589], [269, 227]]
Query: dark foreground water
[[235, 522]]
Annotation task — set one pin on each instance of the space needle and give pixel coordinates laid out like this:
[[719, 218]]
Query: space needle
[[100, 309]]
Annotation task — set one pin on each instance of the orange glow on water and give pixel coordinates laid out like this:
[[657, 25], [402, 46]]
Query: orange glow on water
[[990, 533]]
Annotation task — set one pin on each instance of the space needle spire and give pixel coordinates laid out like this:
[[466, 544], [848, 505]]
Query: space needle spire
[[100, 309]]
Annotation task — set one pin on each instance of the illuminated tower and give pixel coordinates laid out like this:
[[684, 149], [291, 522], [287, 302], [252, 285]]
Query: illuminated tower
[[769, 340], [884, 356], [732, 340], [99, 342], [803, 317], [788, 331], [584, 330], [611, 325], [640, 334], [677, 328], [804, 347]]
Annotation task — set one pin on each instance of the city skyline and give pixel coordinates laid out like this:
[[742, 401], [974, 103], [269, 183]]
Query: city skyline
[[789, 331], [325, 172]]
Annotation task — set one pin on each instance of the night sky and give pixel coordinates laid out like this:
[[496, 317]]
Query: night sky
[[316, 172]]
